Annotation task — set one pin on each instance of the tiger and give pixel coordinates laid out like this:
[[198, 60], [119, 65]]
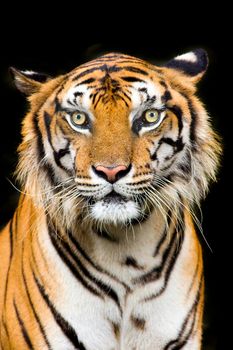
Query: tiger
[[102, 252]]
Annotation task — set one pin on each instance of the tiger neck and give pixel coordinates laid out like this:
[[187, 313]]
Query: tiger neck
[[123, 250]]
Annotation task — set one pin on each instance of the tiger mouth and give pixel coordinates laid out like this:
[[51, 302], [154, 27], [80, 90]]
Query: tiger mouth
[[111, 198], [114, 197]]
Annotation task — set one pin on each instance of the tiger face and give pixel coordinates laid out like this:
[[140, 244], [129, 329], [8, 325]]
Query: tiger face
[[117, 137]]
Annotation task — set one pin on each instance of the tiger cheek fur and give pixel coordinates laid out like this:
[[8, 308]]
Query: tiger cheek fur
[[102, 252]]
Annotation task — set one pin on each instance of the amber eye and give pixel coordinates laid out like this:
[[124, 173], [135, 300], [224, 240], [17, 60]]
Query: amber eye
[[78, 118], [152, 116]]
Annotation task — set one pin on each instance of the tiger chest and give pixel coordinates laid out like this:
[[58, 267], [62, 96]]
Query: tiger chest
[[120, 307]]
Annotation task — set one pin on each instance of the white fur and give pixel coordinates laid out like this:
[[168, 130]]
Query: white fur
[[29, 72], [189, 57], [117, 213]]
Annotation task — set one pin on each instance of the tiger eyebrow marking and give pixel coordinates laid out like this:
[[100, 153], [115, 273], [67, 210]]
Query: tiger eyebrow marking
[[132, 79], [78, 93], [87, 81]]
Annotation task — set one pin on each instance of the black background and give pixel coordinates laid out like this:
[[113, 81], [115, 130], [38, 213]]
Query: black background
[[59, 44]]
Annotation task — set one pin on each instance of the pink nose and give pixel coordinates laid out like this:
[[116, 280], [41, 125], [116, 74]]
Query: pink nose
[[111, 173]]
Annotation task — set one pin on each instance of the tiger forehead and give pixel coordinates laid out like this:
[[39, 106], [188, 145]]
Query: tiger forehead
[[128, 68], [119, 79]]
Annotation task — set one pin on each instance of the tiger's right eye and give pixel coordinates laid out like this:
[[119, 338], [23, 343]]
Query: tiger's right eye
[[78, 118]]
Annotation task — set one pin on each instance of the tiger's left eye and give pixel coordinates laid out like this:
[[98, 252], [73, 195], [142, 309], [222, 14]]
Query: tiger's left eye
[[78, 118], [152, 116]]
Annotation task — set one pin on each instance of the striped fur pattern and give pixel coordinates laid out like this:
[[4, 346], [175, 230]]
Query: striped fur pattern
[[89, 261]]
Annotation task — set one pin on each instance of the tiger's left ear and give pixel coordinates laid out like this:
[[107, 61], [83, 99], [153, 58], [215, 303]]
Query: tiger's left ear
[[193, 64], [28, 82]]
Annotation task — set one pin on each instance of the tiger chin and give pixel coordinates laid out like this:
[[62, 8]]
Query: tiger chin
[[101, 252]]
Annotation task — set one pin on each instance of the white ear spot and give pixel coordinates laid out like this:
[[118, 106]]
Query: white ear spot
[[29, 72], [189, 57]]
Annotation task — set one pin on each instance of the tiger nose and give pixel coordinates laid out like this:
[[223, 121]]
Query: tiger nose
[[111, 173]]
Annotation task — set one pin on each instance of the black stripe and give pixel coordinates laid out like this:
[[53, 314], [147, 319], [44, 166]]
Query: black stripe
[[50, 174], [85, 72], [40, 146], [41, 153], [186, 167], [66, 328], [93, 96], [72, 103], [153, 156], [178, 144], [78, 266], [10, 259], [72, 266], [178, 343], [162, 82], [135, 70], [47, 120], [98, 99], [166, 96], [6, 331], [133, 61], [33, 309], [194, 118], [132, 79], [172, 252], [157, 70], [97, 267], [193, 122], [56, 154], [114, 56], [178, 113], [58, 107], [111, 58], [126, 95], [132, 262], [164, 235], [103, 68], [122, 98], [11, 238], [169, 258], [23, 329], [104, 234], [142, 182], [77, 93], [86, 184], [139, 220], [106, 289], [137, 125], [174, 257], [60, 154], [86, 81], [143, 90], [156, 272]]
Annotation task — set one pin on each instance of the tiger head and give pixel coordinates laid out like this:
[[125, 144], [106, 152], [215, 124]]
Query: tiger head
[[116, 138]]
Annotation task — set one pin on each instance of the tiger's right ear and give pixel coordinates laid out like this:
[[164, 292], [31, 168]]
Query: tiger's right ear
[[28, 82]]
